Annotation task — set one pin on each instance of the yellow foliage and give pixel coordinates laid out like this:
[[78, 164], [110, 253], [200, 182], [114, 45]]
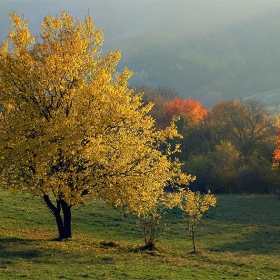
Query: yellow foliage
[[194, 204], [72, 126]]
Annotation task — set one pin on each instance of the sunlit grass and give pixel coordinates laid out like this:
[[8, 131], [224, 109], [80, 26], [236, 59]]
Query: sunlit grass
[[238, 239]]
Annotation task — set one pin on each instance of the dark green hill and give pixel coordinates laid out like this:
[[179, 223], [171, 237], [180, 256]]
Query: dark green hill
[[208, 64]]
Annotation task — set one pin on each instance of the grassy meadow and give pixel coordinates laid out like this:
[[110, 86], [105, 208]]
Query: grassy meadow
[[238, 239]]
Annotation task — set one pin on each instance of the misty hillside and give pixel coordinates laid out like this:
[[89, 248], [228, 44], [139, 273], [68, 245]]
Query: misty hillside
[[209, 50], [222, 63], [270, 99]]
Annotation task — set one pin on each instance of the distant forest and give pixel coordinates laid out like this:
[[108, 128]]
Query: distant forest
[[230, 148]]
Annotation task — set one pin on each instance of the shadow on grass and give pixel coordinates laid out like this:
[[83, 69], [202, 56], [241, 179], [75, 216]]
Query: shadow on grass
[[237, 209], [257, 242], [12, 248]]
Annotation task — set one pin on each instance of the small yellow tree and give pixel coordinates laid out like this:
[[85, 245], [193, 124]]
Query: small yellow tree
[[150, 221], [194, 205]]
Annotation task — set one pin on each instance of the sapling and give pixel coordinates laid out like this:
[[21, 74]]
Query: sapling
[[194, 205]]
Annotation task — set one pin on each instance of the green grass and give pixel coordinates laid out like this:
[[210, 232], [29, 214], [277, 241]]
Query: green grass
[[238, 239]]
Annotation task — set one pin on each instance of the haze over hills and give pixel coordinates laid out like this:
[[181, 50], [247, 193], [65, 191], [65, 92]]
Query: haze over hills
[[209, 49]]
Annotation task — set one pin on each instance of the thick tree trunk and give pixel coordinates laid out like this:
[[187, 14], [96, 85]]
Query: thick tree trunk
[[67, 227], [63, 224]]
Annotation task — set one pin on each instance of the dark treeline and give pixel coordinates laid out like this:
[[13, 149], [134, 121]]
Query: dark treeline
[[229, 148]]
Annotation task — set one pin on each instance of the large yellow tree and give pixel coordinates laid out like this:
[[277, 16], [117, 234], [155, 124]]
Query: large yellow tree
[[70, 127]]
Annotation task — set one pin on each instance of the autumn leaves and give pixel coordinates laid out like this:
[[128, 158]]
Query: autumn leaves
[[71, 127]]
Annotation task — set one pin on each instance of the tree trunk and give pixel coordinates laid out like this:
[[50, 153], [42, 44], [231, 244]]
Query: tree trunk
[[150, 245], [67, 228], [193, 239], [63, 224]]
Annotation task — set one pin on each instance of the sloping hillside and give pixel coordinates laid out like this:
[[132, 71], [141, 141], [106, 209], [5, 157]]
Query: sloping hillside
[[270, 99]]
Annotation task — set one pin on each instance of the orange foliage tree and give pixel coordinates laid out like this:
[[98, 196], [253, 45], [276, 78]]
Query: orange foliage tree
[[191, 115], [190, 111]]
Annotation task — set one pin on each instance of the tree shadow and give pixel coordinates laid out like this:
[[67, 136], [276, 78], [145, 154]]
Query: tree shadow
[[256, 242], [20, 248]]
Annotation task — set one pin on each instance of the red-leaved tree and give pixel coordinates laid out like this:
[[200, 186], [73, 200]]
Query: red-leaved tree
[[191, 115], [190, 111]]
